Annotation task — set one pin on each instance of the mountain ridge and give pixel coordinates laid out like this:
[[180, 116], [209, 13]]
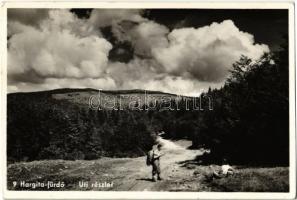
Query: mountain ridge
[[103, 98], [69, 90]]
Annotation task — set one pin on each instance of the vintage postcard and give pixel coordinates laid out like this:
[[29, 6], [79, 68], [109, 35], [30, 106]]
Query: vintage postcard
[[147, 100]]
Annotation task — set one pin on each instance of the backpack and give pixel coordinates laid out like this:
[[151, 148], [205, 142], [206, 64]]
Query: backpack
[[149, 158]]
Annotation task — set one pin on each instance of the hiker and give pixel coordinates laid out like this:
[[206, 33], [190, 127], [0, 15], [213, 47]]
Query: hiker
[[225, 170], [156, 163]]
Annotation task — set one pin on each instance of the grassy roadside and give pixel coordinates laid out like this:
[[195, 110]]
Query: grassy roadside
[[274, 179], [191, 177], [68, 172]]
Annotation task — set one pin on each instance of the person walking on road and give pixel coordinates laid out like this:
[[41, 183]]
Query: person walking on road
[[156, 173]]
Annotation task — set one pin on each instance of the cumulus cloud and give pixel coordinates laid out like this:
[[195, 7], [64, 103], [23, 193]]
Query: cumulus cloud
[[59, 54], [184, 61], [54, 20], [62, 50], [129, 25], [144, 36], [147, 74], [59, 48], [207, 53]]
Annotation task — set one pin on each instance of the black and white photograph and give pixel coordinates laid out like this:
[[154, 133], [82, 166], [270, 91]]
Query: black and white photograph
[[149, 100]]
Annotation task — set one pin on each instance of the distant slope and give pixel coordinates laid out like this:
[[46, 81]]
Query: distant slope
[[105, 98]]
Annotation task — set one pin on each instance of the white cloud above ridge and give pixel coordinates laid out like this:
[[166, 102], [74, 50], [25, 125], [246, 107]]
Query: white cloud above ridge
[[57, 49], [207, 53], [66, 51]]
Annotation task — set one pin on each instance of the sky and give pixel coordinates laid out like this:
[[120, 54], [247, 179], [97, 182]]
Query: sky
[[181, 51]]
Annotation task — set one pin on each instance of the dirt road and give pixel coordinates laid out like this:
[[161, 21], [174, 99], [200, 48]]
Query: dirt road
[[124, 174], [135, 175]]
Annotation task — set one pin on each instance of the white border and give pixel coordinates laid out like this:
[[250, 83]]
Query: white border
[[149, 195]]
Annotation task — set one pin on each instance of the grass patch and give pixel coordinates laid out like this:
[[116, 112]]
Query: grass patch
[[68, 172], [254, 180]]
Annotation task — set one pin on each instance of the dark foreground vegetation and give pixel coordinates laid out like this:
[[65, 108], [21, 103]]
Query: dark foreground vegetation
[[40, 127], [249, 123]]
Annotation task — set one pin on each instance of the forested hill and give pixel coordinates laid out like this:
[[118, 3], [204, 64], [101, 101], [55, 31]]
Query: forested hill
[[60, 124]]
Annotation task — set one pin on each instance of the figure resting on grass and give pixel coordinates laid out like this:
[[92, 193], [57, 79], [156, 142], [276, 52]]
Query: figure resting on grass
[[226, 170]]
